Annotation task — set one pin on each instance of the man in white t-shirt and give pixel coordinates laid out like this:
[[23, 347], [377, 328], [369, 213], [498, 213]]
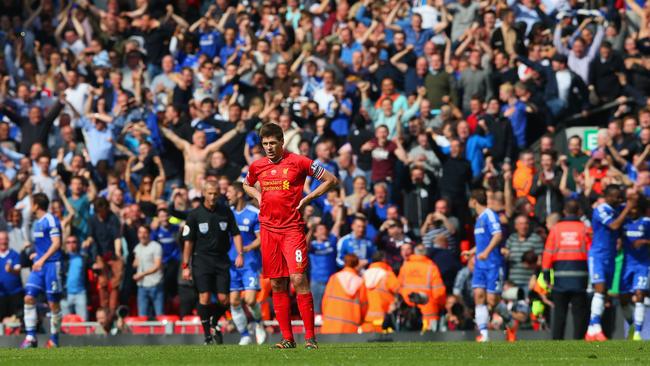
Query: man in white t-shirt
[[325, 95], [149, 275], [75, 95]]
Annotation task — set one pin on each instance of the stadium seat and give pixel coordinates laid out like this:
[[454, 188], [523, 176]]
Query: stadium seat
[[11, 328], [168, 318], [133, 319], [133, 323], [166, 321], [69, 325], [72, 318], [191, 324]]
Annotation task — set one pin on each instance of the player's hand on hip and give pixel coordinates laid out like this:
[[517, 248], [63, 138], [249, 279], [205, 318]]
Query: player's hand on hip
[[37, 265], [483, 255], [239, 261], [187, 275], [303, 202]]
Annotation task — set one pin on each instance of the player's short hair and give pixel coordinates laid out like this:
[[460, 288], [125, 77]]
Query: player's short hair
[[238, 186], [479, 195], [611, 189], [272, 130], [41, 201], [351, 260], [571, 207]]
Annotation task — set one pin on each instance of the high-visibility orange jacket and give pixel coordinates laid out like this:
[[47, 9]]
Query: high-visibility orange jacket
[[382, 286], [565, 253], [345, 302], [522, 181], [420, 274]]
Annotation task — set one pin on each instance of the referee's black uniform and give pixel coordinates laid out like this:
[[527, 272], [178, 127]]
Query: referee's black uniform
[[210, 232]]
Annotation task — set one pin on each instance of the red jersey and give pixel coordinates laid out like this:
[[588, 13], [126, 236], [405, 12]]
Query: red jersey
[[282, 185]]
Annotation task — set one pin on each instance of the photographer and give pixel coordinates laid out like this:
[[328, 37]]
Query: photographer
[[419, 275], [439, 223]]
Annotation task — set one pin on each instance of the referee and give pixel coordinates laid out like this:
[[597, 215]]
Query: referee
[[207, 234]]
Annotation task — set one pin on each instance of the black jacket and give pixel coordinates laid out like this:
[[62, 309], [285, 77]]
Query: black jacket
[[456, 174], [548, 195], [602, 75], [33, 133]]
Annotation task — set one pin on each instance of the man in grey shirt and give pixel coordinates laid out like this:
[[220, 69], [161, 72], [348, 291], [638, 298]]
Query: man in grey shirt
[[465, 12], [149, 275], [475, 80], [520, 242]]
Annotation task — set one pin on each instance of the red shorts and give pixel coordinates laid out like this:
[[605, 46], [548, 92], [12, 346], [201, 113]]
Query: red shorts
[[283, 253]]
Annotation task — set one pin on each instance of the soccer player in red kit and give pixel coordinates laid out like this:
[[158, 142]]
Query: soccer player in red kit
[[281, 177]]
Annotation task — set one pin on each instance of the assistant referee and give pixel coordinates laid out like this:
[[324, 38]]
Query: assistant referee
[[207, 234]]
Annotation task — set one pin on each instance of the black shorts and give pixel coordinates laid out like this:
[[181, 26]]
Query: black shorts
[[211, 276]]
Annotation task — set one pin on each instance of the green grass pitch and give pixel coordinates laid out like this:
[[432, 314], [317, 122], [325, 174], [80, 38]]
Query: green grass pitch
[[412, 354]]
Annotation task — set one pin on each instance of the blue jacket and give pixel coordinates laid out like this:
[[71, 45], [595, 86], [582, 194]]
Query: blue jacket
[[363, 248], [474, 152], [322, 258]]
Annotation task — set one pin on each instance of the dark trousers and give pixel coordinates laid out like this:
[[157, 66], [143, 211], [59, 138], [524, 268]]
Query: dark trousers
[[170, 279], [11, 305], [579, 310], [188, 299]]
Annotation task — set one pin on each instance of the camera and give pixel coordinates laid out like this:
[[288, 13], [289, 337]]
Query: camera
[[122, 311], [418, 298]]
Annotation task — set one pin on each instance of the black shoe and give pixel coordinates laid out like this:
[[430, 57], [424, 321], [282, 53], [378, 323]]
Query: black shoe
[[284, 344], [311, 343], [216, 335], [208, 341]]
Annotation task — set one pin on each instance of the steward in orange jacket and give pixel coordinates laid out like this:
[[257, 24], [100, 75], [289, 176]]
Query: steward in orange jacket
[[420, 274], [565, 256], [565, 253], [345, 302], [382, 286], [524, 175]]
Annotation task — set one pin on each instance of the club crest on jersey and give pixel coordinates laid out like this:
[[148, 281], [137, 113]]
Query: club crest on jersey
[[247, 221], [203, 227], [223, 225], [285, 171]]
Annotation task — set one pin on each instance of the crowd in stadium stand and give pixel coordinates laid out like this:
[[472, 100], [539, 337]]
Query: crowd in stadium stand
[[119, 111]]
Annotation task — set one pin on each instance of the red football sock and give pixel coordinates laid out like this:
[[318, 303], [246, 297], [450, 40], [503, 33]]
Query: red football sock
[[306, 308], [282, 307]]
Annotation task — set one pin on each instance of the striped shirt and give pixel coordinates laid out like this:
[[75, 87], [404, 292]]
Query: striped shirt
[[517, 273]]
